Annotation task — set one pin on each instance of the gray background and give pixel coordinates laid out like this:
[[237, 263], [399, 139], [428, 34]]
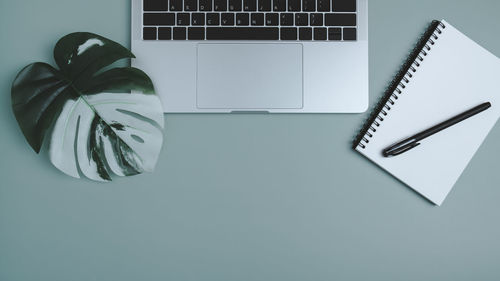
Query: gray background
[[243, 197]]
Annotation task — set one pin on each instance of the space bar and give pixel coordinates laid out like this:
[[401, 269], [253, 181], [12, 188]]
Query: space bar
[[242, 33]]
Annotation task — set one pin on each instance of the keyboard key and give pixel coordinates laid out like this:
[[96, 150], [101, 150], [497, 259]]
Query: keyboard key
[[319, 33], [179, 33], [286, 19], [165, 33], [198, 19], [155, 5], [316, 19], [235, 5], [242, 19], [257, 19], [196, 33], [305, 33], [220, 5], [250, 5], [301, 19], [190, 5], [309, 5], [242, 33], [175, 5], [294, 5], [272, 19], [288, 33], [149, 33], [344, 5], [227, 18], [349, 34], [279, 5], [334, 33], [212, 19], [340, 19], [205, 5], [159, 19], [183, 19], [264, 5], [324, 5]]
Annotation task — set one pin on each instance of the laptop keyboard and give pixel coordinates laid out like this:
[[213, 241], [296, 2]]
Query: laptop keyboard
[[303, 20]]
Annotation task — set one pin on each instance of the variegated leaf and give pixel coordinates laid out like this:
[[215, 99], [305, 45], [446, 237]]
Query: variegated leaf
[[97, 128]]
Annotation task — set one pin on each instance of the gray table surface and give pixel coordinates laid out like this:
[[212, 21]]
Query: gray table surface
[[243, 197]]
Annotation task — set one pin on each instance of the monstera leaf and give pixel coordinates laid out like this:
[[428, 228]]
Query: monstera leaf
[[95, 126]]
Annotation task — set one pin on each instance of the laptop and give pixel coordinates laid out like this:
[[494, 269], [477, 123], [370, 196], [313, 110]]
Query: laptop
[[277, 56]]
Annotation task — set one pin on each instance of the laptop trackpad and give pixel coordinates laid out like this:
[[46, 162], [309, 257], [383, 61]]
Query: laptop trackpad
[[249, 76]]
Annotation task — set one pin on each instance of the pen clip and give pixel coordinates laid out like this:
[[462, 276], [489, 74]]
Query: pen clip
[[403, 149]]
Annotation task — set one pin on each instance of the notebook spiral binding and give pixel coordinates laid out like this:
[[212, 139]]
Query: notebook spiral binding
[[398, 84]]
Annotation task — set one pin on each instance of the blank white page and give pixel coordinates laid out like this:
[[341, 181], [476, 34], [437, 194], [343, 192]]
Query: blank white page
[[456, 75]]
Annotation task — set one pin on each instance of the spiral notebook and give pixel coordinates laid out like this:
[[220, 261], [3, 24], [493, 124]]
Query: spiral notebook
[[446, 74]]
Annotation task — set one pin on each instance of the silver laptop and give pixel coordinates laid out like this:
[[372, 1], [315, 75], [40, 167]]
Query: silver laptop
[[282, 56]]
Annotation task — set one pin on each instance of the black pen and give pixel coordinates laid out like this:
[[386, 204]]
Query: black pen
[[413, 141]]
